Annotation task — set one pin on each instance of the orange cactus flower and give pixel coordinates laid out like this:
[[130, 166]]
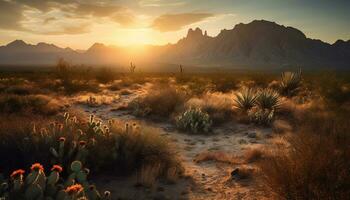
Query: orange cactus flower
[[15, 174], [74, 189], [37, 167], [57, 168]]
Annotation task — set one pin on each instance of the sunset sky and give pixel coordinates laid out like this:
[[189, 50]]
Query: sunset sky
[[80, 23]]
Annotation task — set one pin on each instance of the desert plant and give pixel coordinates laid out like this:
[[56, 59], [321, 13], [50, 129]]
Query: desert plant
[[160, 101], [36, 185], [245, 99], [290, 82], [218, 105], [315, 163], [194, 120], [261, 116], [132, 67], [268, 99]]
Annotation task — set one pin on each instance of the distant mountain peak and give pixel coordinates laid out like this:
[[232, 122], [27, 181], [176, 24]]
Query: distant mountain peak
[[17, 43], [194, 33]]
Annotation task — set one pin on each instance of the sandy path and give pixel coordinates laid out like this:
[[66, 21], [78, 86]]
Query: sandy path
[[204, 180]]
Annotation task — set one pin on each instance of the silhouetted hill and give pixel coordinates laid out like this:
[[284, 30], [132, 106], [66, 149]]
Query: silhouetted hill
[[20, 53], [259, 44]]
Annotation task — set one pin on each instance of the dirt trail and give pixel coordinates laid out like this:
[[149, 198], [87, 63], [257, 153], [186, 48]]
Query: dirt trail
[[204, 180]]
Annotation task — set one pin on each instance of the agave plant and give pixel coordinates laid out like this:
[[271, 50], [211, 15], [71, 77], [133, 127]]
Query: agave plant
[[290, 82], [268, 99], [245, 99]]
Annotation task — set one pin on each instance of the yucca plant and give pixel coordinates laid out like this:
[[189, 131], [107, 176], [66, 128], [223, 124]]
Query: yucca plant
[[268, 99], [290, 82], [245, 99]]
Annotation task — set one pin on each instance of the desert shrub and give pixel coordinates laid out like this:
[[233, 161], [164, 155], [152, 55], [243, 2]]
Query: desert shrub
[[225, 84], [104, 148], [37, 104], [194, 120], [245, 99], [334, 89], [63, 71], [140, 147], [75, 86], [21, 90], [36, 185], [160, 101], [315, 163], [261, 116], [290, 82], [268, 99], [217, 105], [105, 75], [253, 154]]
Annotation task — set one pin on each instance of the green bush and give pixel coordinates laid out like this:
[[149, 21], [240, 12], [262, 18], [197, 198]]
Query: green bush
[[194, 120]]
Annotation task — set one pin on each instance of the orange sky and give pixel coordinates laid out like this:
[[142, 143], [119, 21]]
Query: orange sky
[[80, 23]]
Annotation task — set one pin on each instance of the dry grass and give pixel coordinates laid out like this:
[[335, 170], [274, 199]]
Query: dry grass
[[253, 155], [29, 104], [244, 173], [217, 156], [315, 164], [160, 101], [144, 149], [218, 105]]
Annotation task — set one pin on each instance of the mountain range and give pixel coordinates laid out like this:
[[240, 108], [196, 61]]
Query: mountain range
[[259, 44]]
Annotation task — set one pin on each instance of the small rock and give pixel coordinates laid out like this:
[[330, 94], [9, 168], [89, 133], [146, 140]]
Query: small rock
[[252, 135], [242, 141], [234, 173], [184, 192], [160, 189], [160, 196]]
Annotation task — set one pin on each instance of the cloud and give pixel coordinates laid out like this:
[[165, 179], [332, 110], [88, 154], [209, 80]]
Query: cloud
[[160, 3], [31, 15], [69, 30], [49, 19], [10, 15], [174, 22]]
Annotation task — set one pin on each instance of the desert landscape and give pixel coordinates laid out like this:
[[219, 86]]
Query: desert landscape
[[259, 110]]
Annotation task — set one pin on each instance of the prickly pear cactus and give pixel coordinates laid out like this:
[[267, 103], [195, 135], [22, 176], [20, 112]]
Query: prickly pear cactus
[[36, 186]]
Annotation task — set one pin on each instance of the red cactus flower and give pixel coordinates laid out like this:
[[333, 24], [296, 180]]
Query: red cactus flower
[[15, 174], [62, 139], [57, 168], [37, 167], [82, 143], [74, 189]]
